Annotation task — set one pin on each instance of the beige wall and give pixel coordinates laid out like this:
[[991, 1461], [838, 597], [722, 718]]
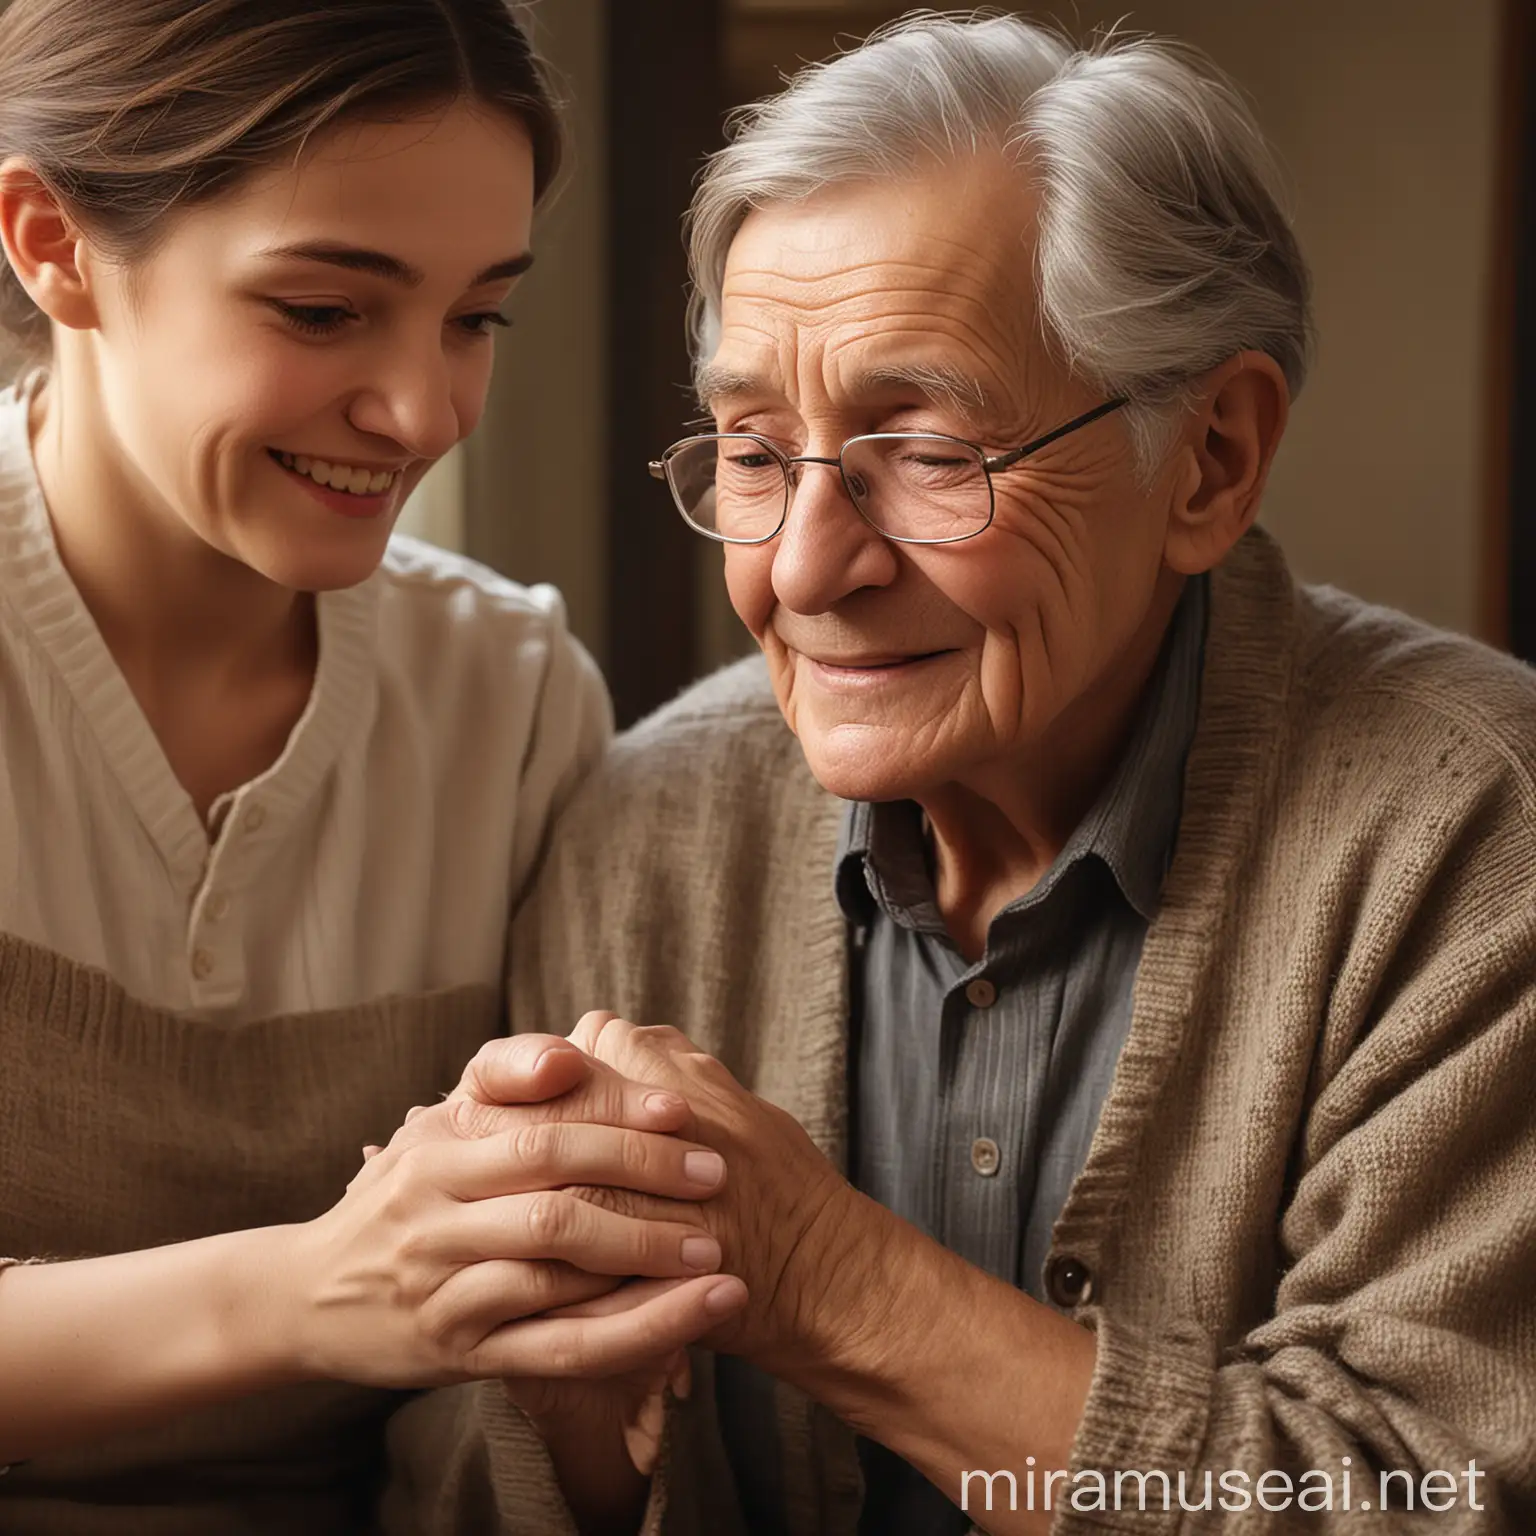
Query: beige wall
[[535, 474], [1384, 118]]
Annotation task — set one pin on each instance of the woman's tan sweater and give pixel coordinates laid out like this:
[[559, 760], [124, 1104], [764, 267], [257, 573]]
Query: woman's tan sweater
[[1310, 1206]]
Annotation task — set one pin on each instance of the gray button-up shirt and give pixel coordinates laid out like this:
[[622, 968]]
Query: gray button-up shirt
[[977, 1088]]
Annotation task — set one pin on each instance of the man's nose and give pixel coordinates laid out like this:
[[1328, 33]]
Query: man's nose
[[825, 549]]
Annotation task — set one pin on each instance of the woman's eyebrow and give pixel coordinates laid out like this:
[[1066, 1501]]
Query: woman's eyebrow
[[357, 258]]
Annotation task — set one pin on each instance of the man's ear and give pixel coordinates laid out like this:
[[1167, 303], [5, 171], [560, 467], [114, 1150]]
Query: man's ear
[[1228, 442], [45, 247]]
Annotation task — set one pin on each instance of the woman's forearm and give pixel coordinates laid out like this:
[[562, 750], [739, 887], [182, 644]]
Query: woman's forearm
[[95, 1347]]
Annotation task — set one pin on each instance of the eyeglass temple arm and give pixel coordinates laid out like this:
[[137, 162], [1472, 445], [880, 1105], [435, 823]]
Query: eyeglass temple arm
[[658, 469], [1008, 460]]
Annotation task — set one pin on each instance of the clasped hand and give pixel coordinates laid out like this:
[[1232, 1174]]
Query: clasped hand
[[460, 1252], [783, 1218]]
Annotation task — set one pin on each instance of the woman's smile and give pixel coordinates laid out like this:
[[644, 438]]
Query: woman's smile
[[353, 490]]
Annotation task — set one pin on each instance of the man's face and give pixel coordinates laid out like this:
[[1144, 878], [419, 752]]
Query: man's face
[[237, 359], [904, 667]]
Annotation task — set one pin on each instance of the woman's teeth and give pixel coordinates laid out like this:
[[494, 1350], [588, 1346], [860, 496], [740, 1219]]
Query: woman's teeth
[[340, 477]]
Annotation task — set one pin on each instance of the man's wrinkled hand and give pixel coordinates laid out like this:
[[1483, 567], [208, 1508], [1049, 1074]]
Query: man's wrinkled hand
[[787, 1222]]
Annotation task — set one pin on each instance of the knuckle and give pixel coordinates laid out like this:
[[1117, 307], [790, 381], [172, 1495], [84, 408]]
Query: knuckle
[[410, 1168], [590, 1026], [534, 1146], [636, 1156], [663, 1035], [569, 1354], [550, 1216], [467, 1118], [486, 1058], [542, 1283]]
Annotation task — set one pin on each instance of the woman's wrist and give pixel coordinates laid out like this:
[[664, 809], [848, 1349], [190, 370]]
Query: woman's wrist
[[101, 1346], [257, 1317]]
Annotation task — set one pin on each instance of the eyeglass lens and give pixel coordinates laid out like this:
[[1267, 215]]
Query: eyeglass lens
[[909, 486]]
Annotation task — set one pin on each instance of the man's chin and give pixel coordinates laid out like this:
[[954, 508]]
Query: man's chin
[[861, 762]]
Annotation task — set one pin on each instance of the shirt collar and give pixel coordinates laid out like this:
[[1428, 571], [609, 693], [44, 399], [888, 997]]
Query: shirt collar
[[1131, 827]]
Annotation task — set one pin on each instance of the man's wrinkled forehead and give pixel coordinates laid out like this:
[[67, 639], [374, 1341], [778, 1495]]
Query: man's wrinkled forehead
[[924, 277]]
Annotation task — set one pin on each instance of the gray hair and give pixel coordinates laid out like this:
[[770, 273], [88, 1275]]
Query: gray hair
[[1162, 248]]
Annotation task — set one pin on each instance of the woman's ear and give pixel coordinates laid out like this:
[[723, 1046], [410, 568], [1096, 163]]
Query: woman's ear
[[1229, 442], [44, 247]]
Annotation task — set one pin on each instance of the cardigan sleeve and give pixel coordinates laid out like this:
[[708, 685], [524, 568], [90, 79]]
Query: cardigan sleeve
[[1402, 1339]]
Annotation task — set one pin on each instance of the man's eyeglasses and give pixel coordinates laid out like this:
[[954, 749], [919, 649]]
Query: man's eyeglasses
[[914, 487]]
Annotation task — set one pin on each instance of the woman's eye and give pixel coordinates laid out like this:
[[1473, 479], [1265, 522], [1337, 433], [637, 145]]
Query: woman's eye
[[480, 324], [314, 319]]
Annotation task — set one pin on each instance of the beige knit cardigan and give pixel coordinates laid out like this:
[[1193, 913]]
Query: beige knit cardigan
[[1310, 1205]]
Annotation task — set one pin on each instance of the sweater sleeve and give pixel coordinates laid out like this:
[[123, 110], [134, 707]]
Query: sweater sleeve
[[1401, 1349]]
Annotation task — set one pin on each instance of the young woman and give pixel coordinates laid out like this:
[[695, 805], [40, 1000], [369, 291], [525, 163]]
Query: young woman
[[270, 780]]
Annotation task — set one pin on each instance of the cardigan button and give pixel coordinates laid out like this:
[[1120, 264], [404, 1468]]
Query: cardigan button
[[1068, 1281]]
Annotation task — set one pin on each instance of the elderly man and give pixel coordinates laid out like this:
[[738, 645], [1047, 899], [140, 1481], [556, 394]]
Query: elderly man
[[1107, 967]]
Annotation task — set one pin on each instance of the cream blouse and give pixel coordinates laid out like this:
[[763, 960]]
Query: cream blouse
[[380, 856]]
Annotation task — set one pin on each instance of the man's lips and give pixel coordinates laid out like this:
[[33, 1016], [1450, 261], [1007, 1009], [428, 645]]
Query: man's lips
[[878, 662]]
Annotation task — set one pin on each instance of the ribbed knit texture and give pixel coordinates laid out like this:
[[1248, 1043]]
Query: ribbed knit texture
[[125, 1127], [1308, 1210]]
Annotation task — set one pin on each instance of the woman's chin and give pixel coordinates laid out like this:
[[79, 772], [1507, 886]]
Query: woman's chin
[[332, 567]]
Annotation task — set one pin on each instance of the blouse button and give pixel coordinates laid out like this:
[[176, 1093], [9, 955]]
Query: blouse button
[[980, 993], [255, 817], [986, 1158], [202, 964], [1068, 1281]]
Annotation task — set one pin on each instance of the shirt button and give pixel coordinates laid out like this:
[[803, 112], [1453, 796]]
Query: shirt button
[[1068, 1281], [255, 817], [980, 993], [218, 907], [202, 964], [986, 1159]]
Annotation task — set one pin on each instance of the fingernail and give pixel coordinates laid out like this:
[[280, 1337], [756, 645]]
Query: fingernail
[[704, 1168], [680, 1379], [725, 1297], [701, 1254], [663, 1103]]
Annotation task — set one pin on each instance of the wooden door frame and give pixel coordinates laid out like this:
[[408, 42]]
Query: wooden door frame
[[665, 103], [1509, 544]]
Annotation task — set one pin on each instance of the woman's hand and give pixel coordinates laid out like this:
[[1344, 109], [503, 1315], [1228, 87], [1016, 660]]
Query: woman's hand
[[431, 1267]]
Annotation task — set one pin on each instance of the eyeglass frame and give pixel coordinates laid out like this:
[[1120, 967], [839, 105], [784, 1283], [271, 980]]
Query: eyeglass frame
[[990, 464]]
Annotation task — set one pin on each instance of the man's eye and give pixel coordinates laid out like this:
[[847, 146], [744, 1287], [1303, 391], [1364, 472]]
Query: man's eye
[[314, 319], [751, 460]]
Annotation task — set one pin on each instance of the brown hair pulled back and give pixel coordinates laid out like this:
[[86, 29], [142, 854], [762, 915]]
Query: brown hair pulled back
[[134, 109]]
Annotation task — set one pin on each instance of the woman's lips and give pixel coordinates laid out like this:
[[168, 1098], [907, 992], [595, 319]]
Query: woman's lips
[[345, 503]]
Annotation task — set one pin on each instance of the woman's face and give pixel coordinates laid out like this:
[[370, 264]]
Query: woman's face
[[278, 375]]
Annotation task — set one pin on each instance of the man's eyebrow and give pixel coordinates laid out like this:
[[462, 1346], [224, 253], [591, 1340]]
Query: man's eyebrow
[[937, 381], [357, 258], [712, 382]]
